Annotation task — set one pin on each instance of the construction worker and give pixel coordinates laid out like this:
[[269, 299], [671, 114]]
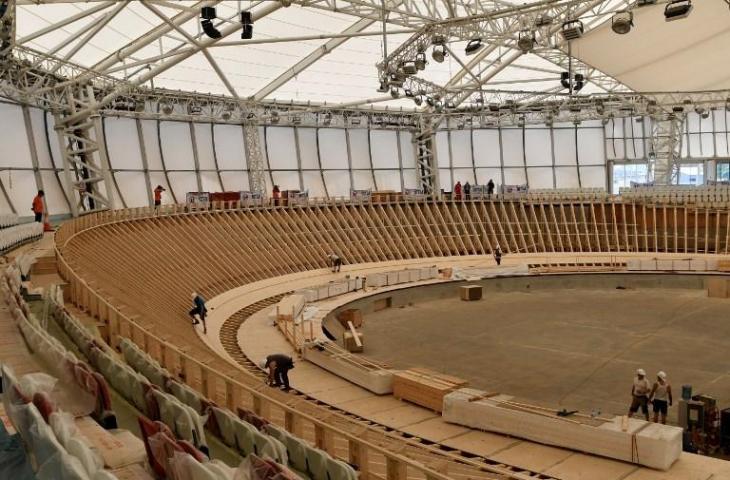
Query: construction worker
[[199, 311], [278, 366], [335, 262], [467, 191], [39, 206], [661, 397], [490, 188], [498, 255], [457, 191], [640, 391], [158, 197], [276, 195]]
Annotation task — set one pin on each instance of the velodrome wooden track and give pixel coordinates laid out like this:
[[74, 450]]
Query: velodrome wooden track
[[134, 270]]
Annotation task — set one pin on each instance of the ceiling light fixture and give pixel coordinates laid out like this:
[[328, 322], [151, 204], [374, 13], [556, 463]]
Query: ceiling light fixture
[[677, 10], [622, 22], [473, 46]]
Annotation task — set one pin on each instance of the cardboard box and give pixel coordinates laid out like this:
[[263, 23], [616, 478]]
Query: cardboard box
[[471, 292]]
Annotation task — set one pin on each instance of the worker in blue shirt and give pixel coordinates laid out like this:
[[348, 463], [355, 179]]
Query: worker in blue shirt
[[199, 310]]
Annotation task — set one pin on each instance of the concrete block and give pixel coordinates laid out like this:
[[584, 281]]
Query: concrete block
[[712, 264], [310, 295], [698, 265], [665, 265], [404, 276], [323, 292], [681, 265], [471, 292], [717, 287], [644, 443], [391, 278], [337, 288], [414, 275], [633, 264], [376, 380], [377, 280], [648, 265]]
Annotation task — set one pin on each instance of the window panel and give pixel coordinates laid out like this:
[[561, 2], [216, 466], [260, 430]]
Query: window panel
[[204, 142], [464, 175], [37, 117], [287, 180], [281, 148], [123, 144], [313, 183], [235, 181], [338, 182], [133, 188], [384, 147], [177, 146], [590, 146], [363, 180], [332, 148], [486, 174], [408, 152], [55, 201], [388, 180], [566, 177], [538, 150], [564, 139], [624, 174], [15, 148], [691, 174], [514, 176], [359, 148], [210, 182], [442, 150], [513, 154], [182, 183], [151, 144], [229, 147], [540, 177], [486, 148], [410, 178], [308, 147], [593, 177], [446, 180], [461, 148]]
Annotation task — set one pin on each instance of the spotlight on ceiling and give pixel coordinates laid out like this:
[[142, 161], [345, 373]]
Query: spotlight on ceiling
[[420, 61], [195, 109], [418, 100], [474, 45], [296, 120], [274, 116], [210, 29], [579, 82], [677, 9], [208, 13], [572, 30], [394, 92], [167, 109], [565, 79], [409, 68], [383, 85], [622, 22], [526, 41], [439, 107], [430, 101], [327, 119], [439, 53], [285, 3], [408, 93], [247, 23]]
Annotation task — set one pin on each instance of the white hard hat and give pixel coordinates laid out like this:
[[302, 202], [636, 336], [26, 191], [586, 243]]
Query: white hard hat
[[641, 372], [263, 364], [662, 375]]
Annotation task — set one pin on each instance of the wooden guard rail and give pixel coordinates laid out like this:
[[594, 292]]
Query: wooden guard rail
[[361, 453]]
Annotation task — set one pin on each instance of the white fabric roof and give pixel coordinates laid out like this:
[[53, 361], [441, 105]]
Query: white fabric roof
[[656, 55], [346, 74]]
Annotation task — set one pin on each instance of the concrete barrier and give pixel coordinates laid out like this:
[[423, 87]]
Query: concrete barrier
[[630, 440]]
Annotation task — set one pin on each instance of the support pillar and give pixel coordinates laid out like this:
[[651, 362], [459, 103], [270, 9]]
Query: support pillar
[[666, 147], [426, 161]]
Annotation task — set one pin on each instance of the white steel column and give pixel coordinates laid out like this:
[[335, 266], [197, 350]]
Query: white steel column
[[254, 157], [666, 148]]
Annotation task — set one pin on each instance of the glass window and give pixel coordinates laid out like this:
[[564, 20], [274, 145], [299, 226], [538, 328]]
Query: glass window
[[625, 173], [691, 174], [723, 172]]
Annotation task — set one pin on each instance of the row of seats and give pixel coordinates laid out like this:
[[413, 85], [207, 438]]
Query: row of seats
[[678, 194], [14, 236], [566, 194], [8, 220], [32, 402], [174, 414]]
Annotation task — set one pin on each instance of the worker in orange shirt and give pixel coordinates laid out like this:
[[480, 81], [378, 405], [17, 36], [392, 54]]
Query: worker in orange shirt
[[39, 206], [276, 194], [158, 197]]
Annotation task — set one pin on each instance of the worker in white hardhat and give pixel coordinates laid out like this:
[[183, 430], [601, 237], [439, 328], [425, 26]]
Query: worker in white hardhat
[[199, 310], [640, 391], [661, 397]]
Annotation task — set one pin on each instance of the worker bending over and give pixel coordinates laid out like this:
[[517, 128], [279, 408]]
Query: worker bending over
[[278, 365], [335, 262], [661, 397], [640, 394], [199, 311], [498, 255]]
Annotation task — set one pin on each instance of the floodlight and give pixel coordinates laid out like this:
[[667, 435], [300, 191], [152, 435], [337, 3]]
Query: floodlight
[[408, 93], [572, 30], [420, 61], [327, 119], [543, 20], [460, 124], [521, 121], [622, 22], [418, 100], [209, 29], [409, 68], [677, 9], [167, 108], [355, 121], [394, 92], [274, 116], [439, 53], [473, 46], [296, 120], [208, 13], [526, 41], [195, 109], [383, 86], [139, 105], [247, 22], [579, 82], [439, 106], [565, 79], [285, 3], [430, 101]]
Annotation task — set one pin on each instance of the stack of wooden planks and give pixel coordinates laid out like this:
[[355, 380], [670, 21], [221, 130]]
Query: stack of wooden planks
[[425, 387]]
